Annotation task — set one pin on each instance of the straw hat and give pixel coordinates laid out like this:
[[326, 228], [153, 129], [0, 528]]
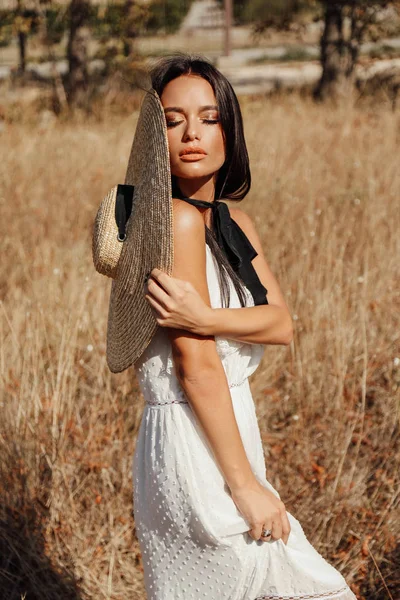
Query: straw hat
[[149, 237]]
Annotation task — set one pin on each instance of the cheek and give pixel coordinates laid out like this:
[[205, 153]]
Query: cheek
[[173, 145], [219, 148]]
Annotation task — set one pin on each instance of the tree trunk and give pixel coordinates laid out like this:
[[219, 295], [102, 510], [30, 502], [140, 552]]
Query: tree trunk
[[22, 51], [77, 52], [21, 39], [131, 17], [338, 56]]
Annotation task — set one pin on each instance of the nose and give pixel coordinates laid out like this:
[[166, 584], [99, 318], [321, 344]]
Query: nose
[[191, 131]]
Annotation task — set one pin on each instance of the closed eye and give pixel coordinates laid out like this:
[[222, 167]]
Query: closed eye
[[207, 121]]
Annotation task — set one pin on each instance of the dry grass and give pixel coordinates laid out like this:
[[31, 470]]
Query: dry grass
[[326, 186]]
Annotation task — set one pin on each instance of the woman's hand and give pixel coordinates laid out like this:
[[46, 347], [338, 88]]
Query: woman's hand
[[176, 303], [263, 510]]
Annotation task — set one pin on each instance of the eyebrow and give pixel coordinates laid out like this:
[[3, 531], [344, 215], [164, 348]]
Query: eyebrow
[[179, 109]]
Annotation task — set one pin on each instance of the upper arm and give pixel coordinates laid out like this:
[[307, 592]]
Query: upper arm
[[191, 350], [275, 296]]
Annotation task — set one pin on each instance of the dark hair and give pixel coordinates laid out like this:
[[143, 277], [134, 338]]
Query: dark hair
[[234, 178]]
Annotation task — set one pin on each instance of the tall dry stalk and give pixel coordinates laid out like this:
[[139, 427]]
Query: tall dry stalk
[[325, 202]]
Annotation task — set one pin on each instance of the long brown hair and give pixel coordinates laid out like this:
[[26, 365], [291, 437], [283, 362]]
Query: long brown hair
[[234, 177]]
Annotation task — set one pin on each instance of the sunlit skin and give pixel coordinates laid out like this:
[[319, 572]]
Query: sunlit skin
[[192, 119]]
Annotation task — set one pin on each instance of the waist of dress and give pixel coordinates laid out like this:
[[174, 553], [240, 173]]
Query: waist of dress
[[181, 398]]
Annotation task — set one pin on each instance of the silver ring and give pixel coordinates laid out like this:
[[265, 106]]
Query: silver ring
[[266, 532]]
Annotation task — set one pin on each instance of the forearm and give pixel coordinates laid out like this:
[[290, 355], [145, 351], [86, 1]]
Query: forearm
[[209, 397], [262, 324]]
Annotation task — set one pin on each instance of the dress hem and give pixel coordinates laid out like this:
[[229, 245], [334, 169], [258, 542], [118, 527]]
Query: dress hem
[[342, 594]]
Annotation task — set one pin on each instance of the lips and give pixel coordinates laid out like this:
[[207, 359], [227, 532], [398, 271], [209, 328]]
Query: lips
[[192, 150]]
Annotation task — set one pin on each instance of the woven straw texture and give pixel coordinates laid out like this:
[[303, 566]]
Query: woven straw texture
[[149, 238], [106, 249]]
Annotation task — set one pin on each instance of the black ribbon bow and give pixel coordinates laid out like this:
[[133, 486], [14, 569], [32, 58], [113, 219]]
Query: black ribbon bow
[[236, 246]]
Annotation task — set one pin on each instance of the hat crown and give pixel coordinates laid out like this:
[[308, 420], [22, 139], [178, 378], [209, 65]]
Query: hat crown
[[149, 237]]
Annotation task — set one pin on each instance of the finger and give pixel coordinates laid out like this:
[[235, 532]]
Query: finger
[[265, 538], [286, 528], [252, 534], [255, 532], [173, 288], [277, 528], [159, 310], [267, 525], [169, 283], [158, 293]]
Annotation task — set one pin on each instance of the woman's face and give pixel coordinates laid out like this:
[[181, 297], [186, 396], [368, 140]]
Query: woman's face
[[193, 123]]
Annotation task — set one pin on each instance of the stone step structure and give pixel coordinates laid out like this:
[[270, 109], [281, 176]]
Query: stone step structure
[[203, 14]]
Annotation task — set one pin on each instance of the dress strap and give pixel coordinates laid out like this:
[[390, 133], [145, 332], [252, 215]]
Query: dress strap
[[236, 246]]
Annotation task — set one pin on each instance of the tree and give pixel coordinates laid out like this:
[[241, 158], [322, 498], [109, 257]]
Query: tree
[[347, 23], [25, 22], [77, 53], [136, 15]]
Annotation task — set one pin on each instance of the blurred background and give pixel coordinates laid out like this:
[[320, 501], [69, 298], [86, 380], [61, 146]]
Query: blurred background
[[318, 82]]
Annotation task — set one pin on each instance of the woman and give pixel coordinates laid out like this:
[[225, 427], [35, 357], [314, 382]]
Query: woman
[[209, 523]]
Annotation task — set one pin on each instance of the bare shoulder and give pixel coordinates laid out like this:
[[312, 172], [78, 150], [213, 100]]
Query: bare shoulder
[[260, 263], [238, 214], [190, 264], [246, 223], [189, 242], [186, 216]]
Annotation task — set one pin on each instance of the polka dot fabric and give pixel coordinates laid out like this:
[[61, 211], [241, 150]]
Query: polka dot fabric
[[193, 540]]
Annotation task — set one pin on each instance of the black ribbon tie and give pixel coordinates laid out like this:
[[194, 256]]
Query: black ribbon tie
[[236, 246]]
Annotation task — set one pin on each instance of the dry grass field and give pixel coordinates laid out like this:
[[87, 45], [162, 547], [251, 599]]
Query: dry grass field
[[325, 198]]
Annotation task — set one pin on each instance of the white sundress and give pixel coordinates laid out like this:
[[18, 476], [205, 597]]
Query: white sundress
[[193, 540]]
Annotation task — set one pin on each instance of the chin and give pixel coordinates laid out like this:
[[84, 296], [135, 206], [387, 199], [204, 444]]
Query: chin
[[193, 170]]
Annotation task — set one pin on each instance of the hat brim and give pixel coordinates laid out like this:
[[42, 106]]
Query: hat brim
[[149, 239]]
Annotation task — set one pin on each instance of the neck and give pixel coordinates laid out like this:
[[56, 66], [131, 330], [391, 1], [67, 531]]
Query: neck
[[198, 189]]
